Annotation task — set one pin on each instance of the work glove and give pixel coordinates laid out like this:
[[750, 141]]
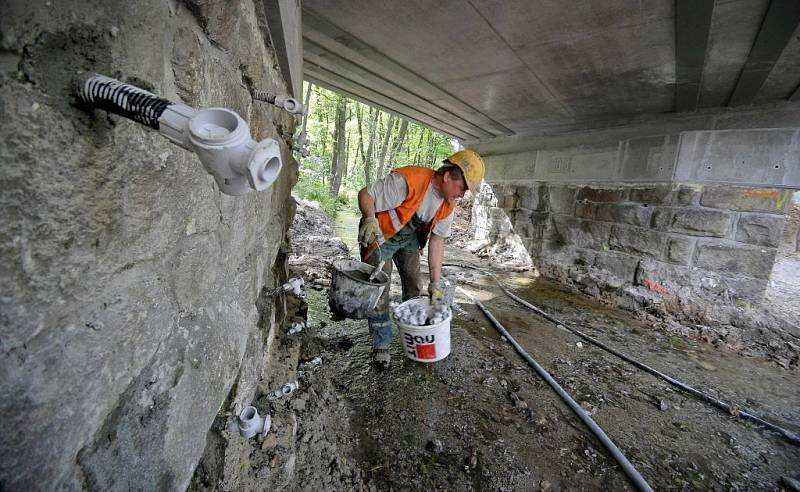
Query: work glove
[[436, 292], [369, 231]]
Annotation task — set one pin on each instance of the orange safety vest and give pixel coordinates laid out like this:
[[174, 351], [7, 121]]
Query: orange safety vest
[[418, 179]]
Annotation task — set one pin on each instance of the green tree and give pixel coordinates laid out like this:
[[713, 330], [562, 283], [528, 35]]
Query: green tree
[[352, 144]]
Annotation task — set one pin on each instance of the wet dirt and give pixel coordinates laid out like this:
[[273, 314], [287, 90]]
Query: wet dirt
[[481, 419]]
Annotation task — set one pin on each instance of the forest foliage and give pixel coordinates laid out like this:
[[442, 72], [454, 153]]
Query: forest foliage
[[352, 144]]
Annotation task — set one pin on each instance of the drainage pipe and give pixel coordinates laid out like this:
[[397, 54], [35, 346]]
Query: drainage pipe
[[787, 434], [612, 448], [286, 103], [219, 136]]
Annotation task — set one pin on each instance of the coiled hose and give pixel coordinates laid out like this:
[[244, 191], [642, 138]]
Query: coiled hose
[[123, 99], [627, 466]]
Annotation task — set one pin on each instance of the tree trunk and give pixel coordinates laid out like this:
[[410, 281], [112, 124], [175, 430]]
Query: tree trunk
[[418, 153], [401, 136], [367, 156], [339, 159], [306, 102], [385, 146], [359, 114]]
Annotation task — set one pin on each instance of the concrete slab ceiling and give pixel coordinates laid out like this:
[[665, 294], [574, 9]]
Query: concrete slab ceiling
[[485, 69]]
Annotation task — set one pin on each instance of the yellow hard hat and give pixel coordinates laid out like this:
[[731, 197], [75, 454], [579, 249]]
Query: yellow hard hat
[[471, 164]]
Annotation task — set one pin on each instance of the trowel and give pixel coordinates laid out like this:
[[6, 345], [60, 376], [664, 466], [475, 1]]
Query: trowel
[[374, 246], [378, 268]]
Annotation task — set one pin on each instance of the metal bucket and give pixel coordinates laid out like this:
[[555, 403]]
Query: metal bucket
[[351, 294]]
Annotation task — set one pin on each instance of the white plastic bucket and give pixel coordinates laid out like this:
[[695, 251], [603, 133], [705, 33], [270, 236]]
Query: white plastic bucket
[[429, 343]]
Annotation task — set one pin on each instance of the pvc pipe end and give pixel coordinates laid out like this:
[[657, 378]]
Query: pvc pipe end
[[251, 423], [265, 164]]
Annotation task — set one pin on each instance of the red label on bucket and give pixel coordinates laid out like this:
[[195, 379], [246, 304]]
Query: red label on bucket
[[426, 350]]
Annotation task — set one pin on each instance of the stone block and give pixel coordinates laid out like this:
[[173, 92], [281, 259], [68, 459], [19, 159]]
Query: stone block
[[594, 194], [680, 249], [531, 197], [662, 278], [689, 195], [624, 213], [585, 210], [521, 221], [556, 232], [589, 234], [743, 199], [652, 195], [637, 241], [570, 231], [506, 202], [693, 221], [617, 264], [561, 199], [760, 229], [728, 258]]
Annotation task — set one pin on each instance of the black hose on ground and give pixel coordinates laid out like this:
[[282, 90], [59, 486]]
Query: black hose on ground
[[790, 436], [612, 448], [787, 434]]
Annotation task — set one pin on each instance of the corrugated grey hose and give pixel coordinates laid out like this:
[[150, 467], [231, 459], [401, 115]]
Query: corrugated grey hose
[[612, 448]]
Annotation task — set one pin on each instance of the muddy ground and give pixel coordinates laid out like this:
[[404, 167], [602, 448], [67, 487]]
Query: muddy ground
[[481, 419]]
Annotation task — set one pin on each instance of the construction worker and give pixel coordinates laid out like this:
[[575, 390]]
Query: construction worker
[[410, 206]]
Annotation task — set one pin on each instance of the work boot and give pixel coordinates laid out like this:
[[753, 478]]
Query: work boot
[[381, 358]]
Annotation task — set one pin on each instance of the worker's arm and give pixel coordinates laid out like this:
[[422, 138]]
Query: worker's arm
[[366, 203], [435, 257], [369, 230]]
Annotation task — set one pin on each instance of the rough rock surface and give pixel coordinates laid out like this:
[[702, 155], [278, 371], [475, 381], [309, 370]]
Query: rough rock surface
[[131, 308]]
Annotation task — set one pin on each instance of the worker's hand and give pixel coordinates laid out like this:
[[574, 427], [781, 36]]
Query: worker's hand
[[369, 231], [436, 292]]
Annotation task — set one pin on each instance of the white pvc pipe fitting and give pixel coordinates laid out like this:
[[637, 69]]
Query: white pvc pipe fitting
[[289, 104], [296, 327], [285, 390], [251, 423], [221, 139], [295, 285]]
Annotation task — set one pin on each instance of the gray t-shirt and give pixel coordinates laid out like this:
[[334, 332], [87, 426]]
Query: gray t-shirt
[[390, 192]]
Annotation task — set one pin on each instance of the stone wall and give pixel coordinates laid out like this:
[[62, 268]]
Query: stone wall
[[695, 250], [132, 307]]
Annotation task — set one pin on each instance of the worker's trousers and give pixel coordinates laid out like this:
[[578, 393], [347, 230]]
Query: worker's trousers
[[402, 250]]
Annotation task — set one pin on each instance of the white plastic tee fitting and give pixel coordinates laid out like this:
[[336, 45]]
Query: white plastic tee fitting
[[221, 139], [285, 390], [295, 286], [251, 423], [296, 327], [289, 104]]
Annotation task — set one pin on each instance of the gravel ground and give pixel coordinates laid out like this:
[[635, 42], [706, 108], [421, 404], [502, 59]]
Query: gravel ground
[[481, 419]]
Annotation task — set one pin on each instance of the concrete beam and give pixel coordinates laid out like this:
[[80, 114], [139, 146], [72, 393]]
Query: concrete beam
[[324, 78], [337, 40], [748, 157], [780, 21], [320, 56], [285, 29], [692, 26]]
